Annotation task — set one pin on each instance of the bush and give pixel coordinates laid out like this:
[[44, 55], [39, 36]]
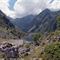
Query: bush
[[58, 22], [37, 37], [52, 52]]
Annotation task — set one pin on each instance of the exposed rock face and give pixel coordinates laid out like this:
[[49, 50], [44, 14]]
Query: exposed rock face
[[9, 50]]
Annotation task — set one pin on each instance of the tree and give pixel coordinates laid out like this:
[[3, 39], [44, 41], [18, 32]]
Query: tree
[[36, 38], [52, 52]]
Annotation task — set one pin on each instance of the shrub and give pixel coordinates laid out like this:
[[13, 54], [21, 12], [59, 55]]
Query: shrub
[[58, 22], [37, 37], [52, 52]]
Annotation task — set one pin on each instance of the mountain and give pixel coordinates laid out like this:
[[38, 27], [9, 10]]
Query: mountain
[[7, 29], [43, 22], [24, 23]]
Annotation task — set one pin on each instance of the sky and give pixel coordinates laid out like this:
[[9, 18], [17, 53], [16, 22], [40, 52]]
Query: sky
[[21, 8]]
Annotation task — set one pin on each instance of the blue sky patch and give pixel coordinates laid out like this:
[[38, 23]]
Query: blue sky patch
[[11, 4]]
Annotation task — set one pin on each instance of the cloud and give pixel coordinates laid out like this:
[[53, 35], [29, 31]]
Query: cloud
[[55, 5], [22, 8], [4, 7]]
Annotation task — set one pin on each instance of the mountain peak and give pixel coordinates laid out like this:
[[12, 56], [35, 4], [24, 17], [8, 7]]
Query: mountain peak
[[47, 10], [43, 22]]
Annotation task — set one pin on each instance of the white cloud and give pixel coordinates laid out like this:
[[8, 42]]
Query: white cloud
[[26, 7], [55, 5], [4, 7]]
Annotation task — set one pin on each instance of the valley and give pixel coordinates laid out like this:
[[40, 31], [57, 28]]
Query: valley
[[31, 37]]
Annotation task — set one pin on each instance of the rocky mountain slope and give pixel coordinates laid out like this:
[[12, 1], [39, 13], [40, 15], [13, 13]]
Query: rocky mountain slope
[[7, 29]]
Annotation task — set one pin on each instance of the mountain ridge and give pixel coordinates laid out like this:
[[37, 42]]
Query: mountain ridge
[[44, 17]]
